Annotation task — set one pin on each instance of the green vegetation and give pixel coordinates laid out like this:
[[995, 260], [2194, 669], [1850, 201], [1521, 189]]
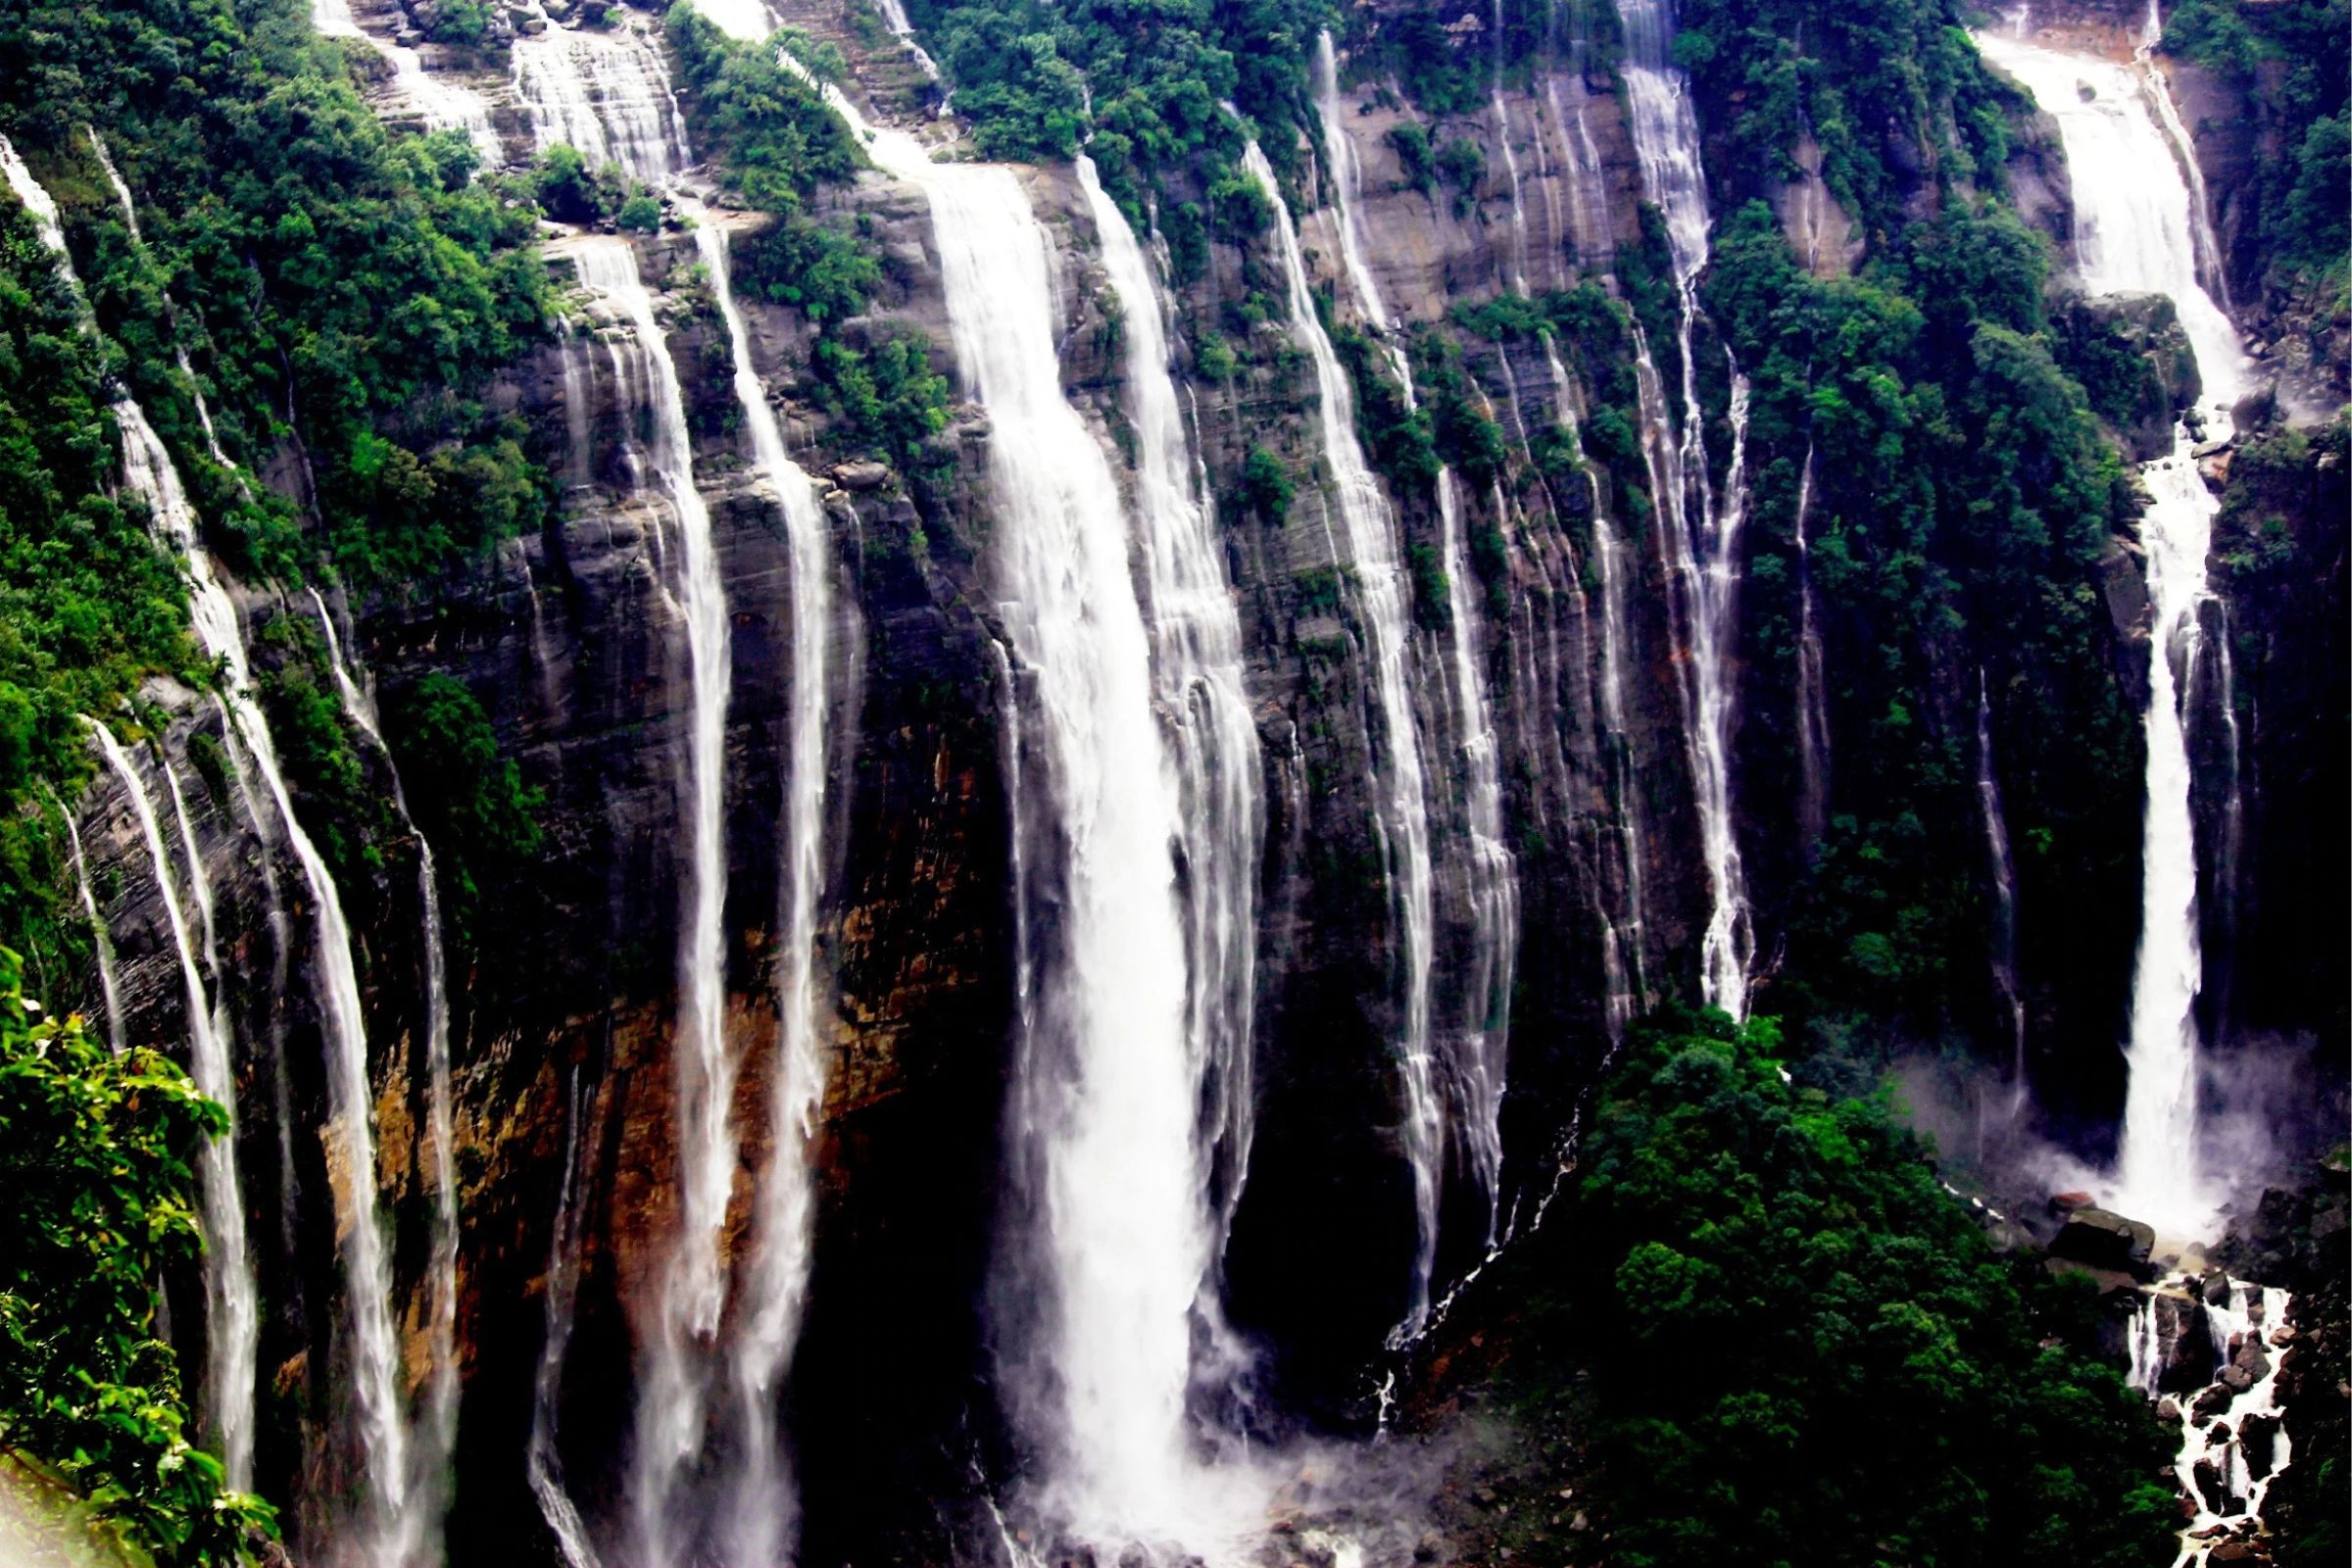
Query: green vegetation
[[469, 801], [1804, 1350], [886, 394], [97, 1194], [1024, 71], [1962, 484], [2291, 58]]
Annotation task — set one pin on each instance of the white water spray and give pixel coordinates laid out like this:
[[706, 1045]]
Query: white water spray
[[2134, 234]]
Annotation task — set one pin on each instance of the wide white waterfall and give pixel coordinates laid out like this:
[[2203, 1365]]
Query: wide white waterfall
[[1470, 1048], [2135, 234], [1812, 686], [2005, 894], [761, 1504], [110, 992], [691, 1290], [231, 1313], [374, 1345], [607, 95], [1196, 660], [1367, 549], [1699, 530], [431, 1458], [1105, 1106], [441, 105]]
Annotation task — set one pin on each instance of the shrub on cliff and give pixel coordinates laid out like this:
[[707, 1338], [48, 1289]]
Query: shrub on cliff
[[97, 1192], [1805, 1349]]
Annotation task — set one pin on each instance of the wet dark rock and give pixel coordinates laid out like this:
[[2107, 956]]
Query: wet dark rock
[[2257, 1438], [2211, 1403], [2105, 1240]]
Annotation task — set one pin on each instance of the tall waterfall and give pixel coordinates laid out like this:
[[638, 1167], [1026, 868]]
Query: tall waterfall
[[1510, 161], [231, 1314], [2134, 234], [1471, 1047], [1698, 531], [1196, 660], [1104, 1104], [691, 1287], [374, 1346], [1812, 687], [1399, 795], [775, 1289], [441, 1333], [2004, 891]]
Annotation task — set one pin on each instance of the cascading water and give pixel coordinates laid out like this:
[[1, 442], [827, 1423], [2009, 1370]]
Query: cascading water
[[441, 105], [761, 1504], [1472, 1051], [441, 1381], [1812, 687], [232, 1316], [374, 1348], [1196, 658], [1698, 530], [1400, 793], [605, 94], [109, 991], [1510, 162], [2004, 890], [543, 1468], [1108, 1080], [1624, 958], [691, 1287], [2134, 234]]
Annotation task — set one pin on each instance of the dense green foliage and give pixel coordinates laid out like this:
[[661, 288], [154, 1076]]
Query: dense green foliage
[[1812, 1355], [470, 802], [2294, 59], [1135, 84], [97, 1189], [1963, 497]]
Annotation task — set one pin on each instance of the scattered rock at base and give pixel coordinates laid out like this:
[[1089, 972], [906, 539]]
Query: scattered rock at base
[[2105, 1239]]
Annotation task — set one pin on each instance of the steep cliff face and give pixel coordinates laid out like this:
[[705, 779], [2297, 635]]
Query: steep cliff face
[[571, 640]]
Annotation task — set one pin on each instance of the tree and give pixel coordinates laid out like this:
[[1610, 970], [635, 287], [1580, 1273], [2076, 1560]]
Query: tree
[[97, 1189]]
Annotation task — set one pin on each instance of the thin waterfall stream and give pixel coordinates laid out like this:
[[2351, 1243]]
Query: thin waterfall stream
[[1471, 1048], [373, 1349], [1698, 527]]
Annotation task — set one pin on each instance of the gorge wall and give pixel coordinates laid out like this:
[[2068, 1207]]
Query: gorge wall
[[570, 637]]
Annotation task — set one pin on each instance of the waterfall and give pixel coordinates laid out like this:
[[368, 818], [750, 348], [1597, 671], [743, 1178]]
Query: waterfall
[[1510, 163], [692, 1284], [1105, 1102], [1196, 658], [2004, 888], [777, 1284], [232, 1317], [1400, 801], [1588, 194], [147, 470], [441, 105], [607, 95], [441, 1383], [2134, 234], [1699, 532], [1812, 692], [543, 1467], [1472, 1053], [108, 992], [1625, 933]]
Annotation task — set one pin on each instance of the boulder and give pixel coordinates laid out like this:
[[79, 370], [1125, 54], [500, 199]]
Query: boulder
[[2238, 1551], [862, 475], [2257, 1439], [2216, 1289], [2250, 1358], [2105, 1240], [2211, 1403]]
